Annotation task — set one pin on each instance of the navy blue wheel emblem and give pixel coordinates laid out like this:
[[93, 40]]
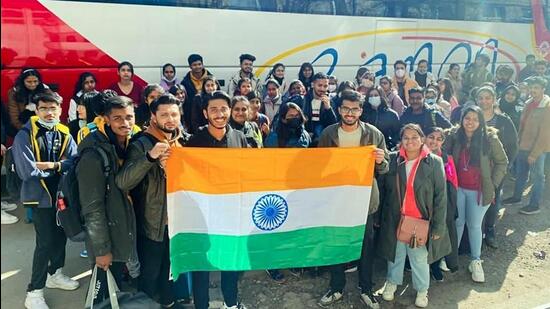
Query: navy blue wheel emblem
[[270, 212]]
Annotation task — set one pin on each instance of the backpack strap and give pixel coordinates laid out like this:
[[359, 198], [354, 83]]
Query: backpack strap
[[434, 120]]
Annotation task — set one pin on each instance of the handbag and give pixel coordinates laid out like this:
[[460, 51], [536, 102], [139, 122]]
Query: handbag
[[410, 230], [118, 299]]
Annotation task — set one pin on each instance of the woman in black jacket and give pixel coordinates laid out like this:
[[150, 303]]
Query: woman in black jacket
[[378, 114], [511, 104]]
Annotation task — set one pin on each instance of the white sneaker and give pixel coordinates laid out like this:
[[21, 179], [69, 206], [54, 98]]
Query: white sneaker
[[237, 306], [443, 266], [389, 291], [35, 300], [330, 298], [7, 218], [421, 299], [477, 271], [60, 281], [8, 206]]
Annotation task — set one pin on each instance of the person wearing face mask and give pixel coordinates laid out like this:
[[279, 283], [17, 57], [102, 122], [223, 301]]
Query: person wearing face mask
[[394, 101], [402, 82], [43, 150], [168, 78], [332, 85], [421, 113], [422, 76], [434, 100], [377, 113], [290, 131]]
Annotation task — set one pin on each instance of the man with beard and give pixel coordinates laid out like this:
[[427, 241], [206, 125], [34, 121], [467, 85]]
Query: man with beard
[[247, 66], [351, 132], [421, 114], [317, 108], [143, 174], [217, 134]]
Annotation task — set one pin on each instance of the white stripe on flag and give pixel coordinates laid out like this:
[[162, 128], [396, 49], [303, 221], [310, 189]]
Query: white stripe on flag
[[340, 206]]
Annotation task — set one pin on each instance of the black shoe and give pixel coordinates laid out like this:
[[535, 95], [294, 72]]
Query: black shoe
[[512, 200], [490, 239], [174, 305], [184, 301], [369, 300], [276, 275], [407, 265], [530, 210]]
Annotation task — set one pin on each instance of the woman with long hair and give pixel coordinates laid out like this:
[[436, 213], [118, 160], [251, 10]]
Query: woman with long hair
[[305, 74], [481, 166], [125, 85], [20, 98], [447, 92], [413, 214], [290, 131], [143, 112], [209, 85], [239, 120], [278, 73], [394, 101], [86, 83]]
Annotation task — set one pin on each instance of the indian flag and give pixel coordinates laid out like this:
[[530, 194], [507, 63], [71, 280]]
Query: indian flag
[[245, 209]]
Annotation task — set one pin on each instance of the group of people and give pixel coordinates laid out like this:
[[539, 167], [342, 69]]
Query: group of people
[[442, 150]]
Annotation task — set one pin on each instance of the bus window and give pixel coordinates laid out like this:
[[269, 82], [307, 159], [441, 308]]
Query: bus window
[[323, 7], [378, 8], [249, 5]]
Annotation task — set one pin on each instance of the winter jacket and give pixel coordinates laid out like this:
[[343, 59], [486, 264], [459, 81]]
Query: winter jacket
[[431, 201], [409, 84], [507, 135], [257, 84], [35, 191], [232, 139], [474, 77], [107, 211], [395, 102], [385, 120], [251, 132], [191, 93], [369, 136], [326, 116], [303, 141], [534, 133], [429, 117], [146, 180], [493, 165]]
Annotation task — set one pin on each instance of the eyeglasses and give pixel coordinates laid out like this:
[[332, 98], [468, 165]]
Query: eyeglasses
[[47, 109], [347, 110]]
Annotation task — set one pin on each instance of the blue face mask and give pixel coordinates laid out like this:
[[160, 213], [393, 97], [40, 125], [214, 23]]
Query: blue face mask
[[48, 124], [430, 101]]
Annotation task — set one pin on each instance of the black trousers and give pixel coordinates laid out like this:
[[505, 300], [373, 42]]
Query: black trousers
[[49, 252], [492, 213], [154, 258], [365, 264], [201, 284], [101, 291]]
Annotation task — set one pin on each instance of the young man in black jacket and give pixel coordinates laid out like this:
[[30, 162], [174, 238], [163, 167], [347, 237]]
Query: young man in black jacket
[[143, 174], [317, 108], [420, 113], [107, 211], [217, 134]]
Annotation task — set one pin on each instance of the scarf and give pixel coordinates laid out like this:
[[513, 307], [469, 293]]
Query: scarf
[[410, 208], [157, 133]]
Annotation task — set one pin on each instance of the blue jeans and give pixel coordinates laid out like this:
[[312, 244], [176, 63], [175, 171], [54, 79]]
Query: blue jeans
[[418, 257], [470, 212], [536, 171]]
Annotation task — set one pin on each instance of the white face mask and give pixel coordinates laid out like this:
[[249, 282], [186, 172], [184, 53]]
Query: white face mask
[[430, 101], [331, 87], [422, 71], [48, 124], [400, 73], [375, 101]]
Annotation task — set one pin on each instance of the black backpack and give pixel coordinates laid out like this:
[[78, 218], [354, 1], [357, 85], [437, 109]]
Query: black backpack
[[13, 182], [68, 198]]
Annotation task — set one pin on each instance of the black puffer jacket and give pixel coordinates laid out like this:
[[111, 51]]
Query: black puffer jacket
[[385, 120]]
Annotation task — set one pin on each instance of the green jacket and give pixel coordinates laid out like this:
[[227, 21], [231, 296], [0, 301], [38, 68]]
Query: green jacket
[[107, 211], [431, 199], [147, 182], [370, 136], [493, 165]]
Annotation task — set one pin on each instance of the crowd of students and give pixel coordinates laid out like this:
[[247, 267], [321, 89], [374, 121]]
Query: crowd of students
[[443, 148]]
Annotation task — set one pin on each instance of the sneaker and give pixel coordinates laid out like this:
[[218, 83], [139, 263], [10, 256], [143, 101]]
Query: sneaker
[[490, 239], [8, 206], [443, 266], [369, 300], [8, 219], [530, 210], [84, 253], [389, 291], [35, 300], [330, 298], [276, 275], [477, 271], [421, 299], [184, 301], [61, 281], [511, 200], [237, 306], [350, 268]]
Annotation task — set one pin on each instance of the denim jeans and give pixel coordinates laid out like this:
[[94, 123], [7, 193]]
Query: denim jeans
[[470, 212], [418, 258], [536, 171]]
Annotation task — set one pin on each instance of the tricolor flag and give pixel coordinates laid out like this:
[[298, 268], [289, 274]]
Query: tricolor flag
[[245, 209]]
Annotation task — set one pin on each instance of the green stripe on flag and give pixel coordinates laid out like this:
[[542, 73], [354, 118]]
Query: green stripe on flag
[[315, 246]]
